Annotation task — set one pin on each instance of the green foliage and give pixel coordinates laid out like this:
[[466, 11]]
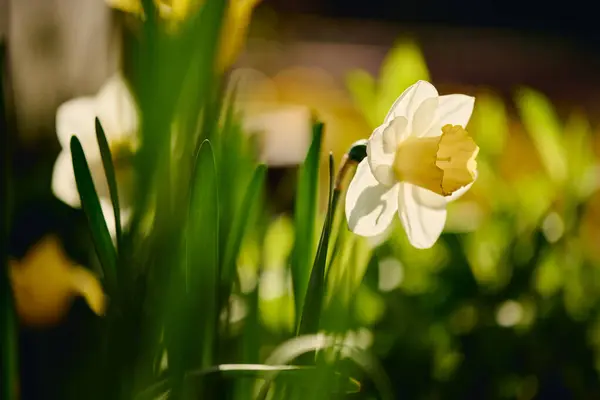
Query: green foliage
[[107, 163], [304, 219], [402, 66], [542, 124], [91, 206]]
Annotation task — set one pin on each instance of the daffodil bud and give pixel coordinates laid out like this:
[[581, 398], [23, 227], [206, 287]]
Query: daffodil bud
[[358, 151]]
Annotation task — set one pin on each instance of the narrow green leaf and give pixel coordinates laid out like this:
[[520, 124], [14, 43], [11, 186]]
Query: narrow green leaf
[[304, 218], [240, 224], [290, 350], [93, 211], [362, 88], [544, 128], [403, 66], [111, 179], [8, 324], [292, 373], [202, 253], [205, 37], [311, 312]]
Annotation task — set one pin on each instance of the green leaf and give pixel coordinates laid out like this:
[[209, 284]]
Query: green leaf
[[202, 253], [296, 347], [109, 170], [291, 373], [362, 88], [544, 128], [205, 36], [240, 225], [9, 378], [93, 211], [490, 124], [579, 141], [403, 66], [313, 305], [304, 218]]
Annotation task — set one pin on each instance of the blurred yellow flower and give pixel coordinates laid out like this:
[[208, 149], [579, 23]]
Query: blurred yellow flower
[[234, 27], [45, 282]]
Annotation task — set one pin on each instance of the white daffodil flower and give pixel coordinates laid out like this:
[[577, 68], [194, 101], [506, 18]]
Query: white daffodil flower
[[115, 108], [420, 159]]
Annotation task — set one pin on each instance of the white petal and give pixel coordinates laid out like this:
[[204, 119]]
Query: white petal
[[423, 225], [115, 107], [454, 109], [406, 105], [63, 180], [424, 116], [398, 128], [380, 154], [457, 194], [428, 198], [75, 117], [370, 206], [109, 216]]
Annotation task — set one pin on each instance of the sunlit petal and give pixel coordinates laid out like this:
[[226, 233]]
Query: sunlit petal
[[423, 225], [370, 206], [380, 154], [454, 109], [424, 116], [406, 105]]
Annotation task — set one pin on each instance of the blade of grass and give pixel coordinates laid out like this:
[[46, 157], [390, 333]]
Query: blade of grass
[[311, 312], [191, 320], [300, 345], [544, 128], [109, 170], [202, 254], [93, 211], [304, 219], [8, 326], [240, 224], [237, 371]]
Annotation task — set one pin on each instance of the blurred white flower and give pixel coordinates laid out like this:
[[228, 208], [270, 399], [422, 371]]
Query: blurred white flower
[[285, 133], [284, 129], [115, 108], [420, 159]]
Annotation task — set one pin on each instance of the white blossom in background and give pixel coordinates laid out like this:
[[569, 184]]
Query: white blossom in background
[[115, 108], [417, 161], [284, 129], [285, 132]]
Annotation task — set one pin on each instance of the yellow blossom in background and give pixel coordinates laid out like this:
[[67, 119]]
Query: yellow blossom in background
[[234, 29], [45, 282], [174, 10]]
